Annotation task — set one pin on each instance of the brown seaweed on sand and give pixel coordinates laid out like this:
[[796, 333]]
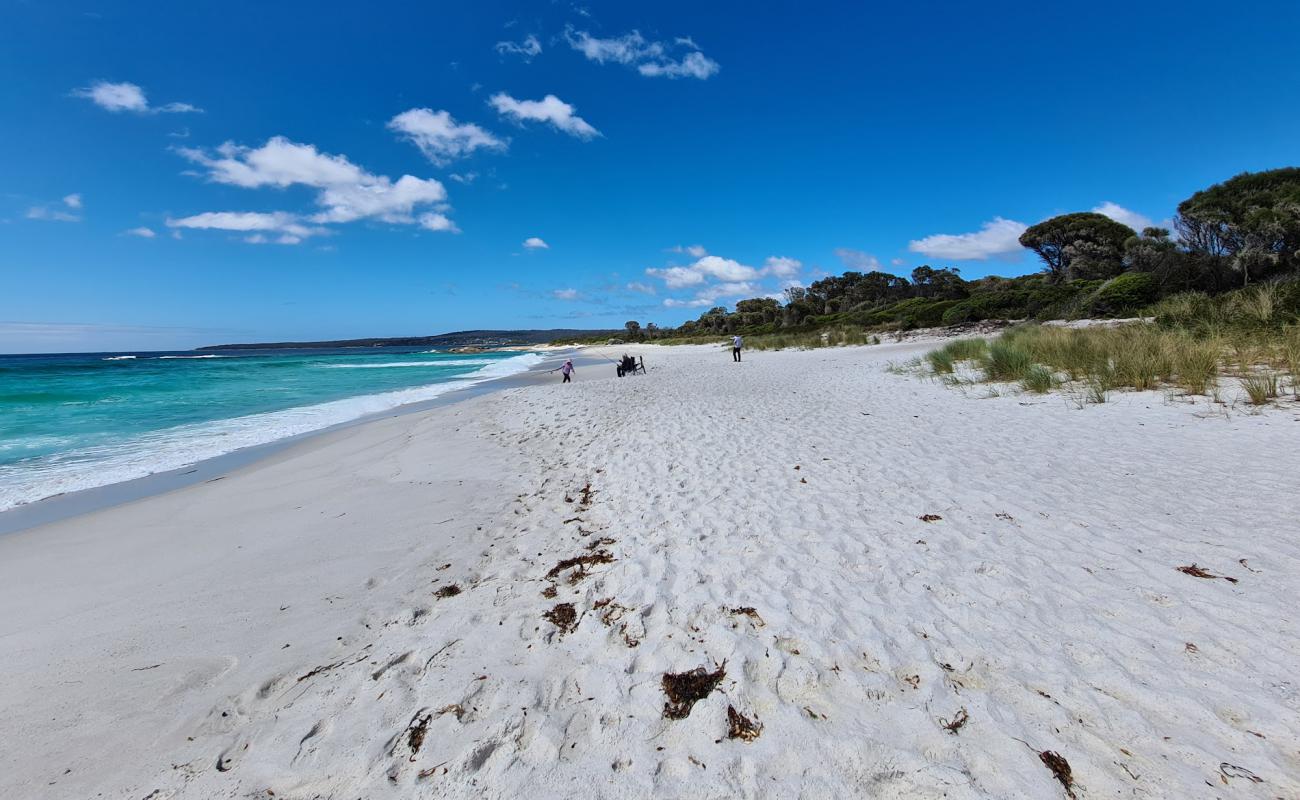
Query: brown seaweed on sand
[[685, 689], [742, 727], [959, 719], [1197, 572], [450, 590], [563, 616], [415, 733], [582, 562], [1060, 770]]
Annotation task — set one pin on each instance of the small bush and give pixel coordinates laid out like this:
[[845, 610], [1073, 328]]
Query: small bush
[[1125, 294]]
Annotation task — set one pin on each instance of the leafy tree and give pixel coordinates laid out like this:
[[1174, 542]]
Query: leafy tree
[[1252, 220], [1082, 246], [633, 329], [944, 284]]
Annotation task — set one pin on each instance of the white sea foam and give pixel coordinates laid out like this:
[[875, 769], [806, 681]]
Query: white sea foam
[[468, 362], [184, 445], [120, 358], [163, 358]]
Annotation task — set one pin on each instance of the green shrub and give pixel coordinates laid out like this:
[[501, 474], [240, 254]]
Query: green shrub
[[1125, 294], [960, 313]]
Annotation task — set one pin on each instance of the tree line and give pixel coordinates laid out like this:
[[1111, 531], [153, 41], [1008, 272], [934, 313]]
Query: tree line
[[1234, 233]]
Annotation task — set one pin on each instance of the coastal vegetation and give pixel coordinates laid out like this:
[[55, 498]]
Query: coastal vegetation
[[1230, 236], [1196, 345]]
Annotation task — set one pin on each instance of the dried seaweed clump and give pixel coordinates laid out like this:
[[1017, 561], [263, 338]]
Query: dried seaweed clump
[[450, 590], [1197, 572], [581, 562], [1060, 770], [685, 689], [742, 727], [563, 616]]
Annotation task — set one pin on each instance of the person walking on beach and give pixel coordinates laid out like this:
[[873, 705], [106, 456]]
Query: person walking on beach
[[567, 371], [736, 344]]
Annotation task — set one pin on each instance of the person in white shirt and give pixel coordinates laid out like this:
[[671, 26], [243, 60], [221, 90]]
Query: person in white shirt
[[736, 344]]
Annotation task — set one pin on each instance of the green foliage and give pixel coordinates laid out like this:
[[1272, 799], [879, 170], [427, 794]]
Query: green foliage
[[1252, 221], [1077, 246], [1126, 294], [1247, 228]]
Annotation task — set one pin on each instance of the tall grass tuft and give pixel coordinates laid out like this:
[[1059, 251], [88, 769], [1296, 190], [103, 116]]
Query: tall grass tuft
[[966, 349], [1261, 387], [1038, 379], [1196, 363], [941, 361], [1006, 361], [1258, 304]]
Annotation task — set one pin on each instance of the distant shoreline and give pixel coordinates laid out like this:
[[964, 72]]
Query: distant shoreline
[[475, 338]]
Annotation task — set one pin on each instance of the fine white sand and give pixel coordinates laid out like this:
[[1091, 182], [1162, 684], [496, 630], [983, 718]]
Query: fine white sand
[[278, 631]]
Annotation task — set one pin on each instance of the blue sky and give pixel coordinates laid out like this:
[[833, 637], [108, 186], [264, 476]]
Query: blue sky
[[177, 175]]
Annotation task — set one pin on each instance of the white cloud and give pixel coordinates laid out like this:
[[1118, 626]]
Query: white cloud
[[48, 214], [346, 192], [692, 250], [671, 302], [642, 288], [725, 269], [142, 232], [566, 294], [738, 290], [677, 277], [526, 49], [856, 259], [535, 243], [466, 178], [440, 137], [549, 109], [125, 96], [652, 59], [691, 65], [291, 229], [997, 237], [713, 278], [782, 267], [1124, 216], [437, 222], [72, 201]]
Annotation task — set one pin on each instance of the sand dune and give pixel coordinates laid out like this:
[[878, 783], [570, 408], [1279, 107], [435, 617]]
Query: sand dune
[[893, 590]]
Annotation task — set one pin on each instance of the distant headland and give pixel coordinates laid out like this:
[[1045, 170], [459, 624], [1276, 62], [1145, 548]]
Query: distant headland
[[456, 339]]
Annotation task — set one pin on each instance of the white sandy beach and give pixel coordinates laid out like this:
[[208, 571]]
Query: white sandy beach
[[278, 632]]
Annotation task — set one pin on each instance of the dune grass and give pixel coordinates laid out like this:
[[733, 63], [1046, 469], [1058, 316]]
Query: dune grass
[[1093, 362]]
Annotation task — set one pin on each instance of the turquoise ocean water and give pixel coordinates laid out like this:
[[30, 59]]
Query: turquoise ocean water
[[77, 421]]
